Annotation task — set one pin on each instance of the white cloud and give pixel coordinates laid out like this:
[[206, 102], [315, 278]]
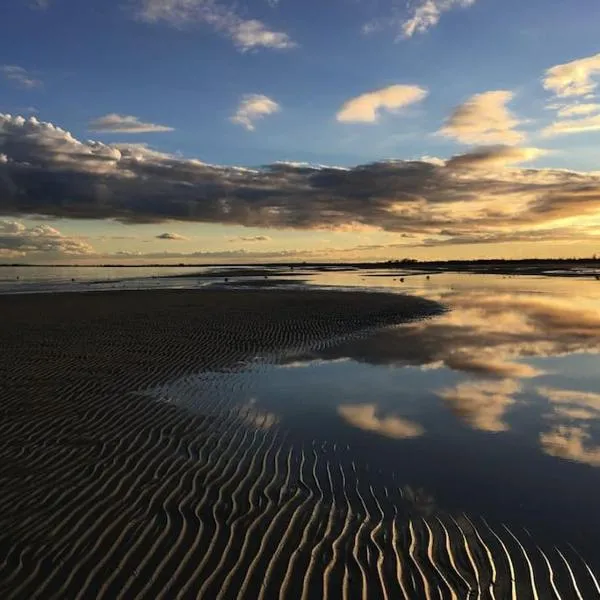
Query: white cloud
[[171, 236], [423, 15], [573, 79], [17, 241], [427, 13], [366, 108], [255, 34], [37, 140], [567, 126], [19, 76], [253, 107], [484, 119], [577, 110], [364, 416], [115, 123], [247, 34]]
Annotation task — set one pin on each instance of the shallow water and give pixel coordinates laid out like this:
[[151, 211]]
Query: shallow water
[[491, 410], [465, 446], [40, 279]]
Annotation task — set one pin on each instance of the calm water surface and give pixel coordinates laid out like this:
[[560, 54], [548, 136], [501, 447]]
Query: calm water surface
[[492, 409]]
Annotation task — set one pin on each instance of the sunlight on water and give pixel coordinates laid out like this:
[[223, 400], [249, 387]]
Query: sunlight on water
[[459, 452], [493, 408]]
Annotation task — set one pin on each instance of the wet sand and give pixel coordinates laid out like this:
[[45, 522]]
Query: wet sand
[[108, 492], [111, 489]]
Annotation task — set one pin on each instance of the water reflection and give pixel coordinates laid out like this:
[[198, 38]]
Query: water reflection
[[493, 407], [499, 342], [365, 416], [484, 334], [572, 443], [482, 404]]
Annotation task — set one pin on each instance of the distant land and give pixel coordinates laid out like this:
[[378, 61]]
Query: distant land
[[549, 267], [403, 263]]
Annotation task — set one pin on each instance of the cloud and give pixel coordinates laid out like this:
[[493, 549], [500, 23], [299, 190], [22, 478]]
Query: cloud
[[19, 76], [238, 255], [571, 443], [494, 156], [253, 107], [364, 416], [576, 110], [573, 79], [427, 13], [114, 123], [424, 14], [366, 108], [46, 171], [254, 34], [171, 236], [484, 119], [247, 34], [567, 126], [251, 238], [17, 241], [245, 254]]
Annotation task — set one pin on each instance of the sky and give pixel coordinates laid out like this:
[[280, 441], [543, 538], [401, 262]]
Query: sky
[[279, 130]]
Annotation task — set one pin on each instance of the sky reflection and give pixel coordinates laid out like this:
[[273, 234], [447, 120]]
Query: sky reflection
[[498, 344], [492, 407]]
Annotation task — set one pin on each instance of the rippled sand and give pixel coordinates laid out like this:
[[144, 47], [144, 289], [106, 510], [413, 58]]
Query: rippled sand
[[108, 489], [106, 492]]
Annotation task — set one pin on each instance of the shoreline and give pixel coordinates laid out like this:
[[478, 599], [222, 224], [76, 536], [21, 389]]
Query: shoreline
[[107, 489], [111, 488], [190, 329]]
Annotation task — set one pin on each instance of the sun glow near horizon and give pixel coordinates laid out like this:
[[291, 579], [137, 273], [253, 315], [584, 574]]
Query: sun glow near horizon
[[501, 163]]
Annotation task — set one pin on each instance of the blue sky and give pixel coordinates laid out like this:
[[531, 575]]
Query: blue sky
[[185, 68]]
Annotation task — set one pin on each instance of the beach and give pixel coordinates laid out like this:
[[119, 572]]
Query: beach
[[110, 490]]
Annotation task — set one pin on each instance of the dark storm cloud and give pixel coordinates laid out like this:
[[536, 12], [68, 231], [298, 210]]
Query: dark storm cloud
[[45, 171]]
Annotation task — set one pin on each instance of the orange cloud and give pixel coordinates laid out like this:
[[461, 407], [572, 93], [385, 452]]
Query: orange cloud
[[484, 119], [367, 108]]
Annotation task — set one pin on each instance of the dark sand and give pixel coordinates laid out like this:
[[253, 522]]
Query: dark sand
[[109, 490], [108, 493]]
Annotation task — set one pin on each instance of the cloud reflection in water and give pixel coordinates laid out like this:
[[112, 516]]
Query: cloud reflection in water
[[365, 416], [482, 404], [495, 340]]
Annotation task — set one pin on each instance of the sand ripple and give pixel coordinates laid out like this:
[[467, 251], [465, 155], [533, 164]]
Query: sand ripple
[[110, 490]]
